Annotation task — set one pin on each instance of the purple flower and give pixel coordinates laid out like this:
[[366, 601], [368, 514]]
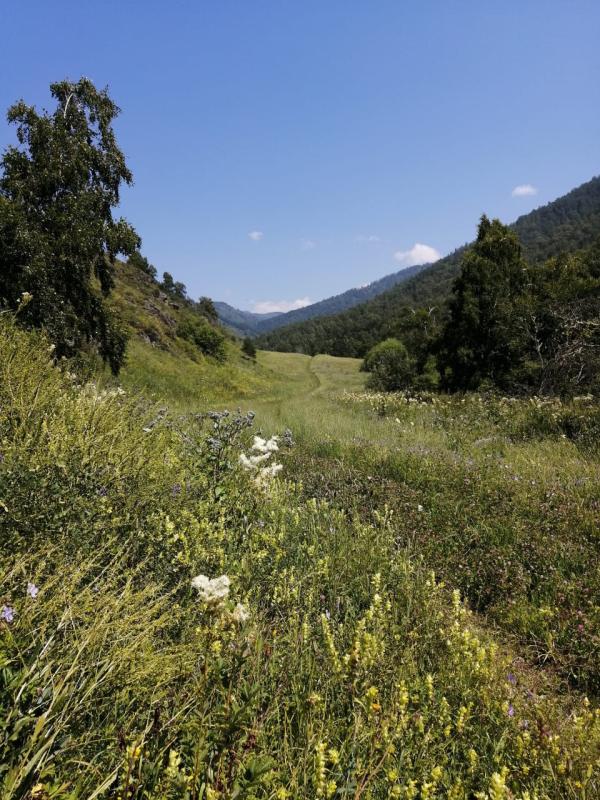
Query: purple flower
[[176, 489], [32, 590], [511, 678], [511, 710], [7, 614]]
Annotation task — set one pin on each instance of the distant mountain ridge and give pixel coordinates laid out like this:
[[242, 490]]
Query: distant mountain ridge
[[249, 323], [242, 322], [568, 223]]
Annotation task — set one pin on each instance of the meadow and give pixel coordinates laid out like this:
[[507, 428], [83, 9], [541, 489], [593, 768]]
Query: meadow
[[408, 608]]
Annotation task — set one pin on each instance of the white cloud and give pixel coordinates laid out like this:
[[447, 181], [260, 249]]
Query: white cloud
[[256, 236], [308, 244], [524, 190], [270, 306], [418, 254], [370, 239]]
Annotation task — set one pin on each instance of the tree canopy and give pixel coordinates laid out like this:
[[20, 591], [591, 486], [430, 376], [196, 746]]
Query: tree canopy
[[58, 237]]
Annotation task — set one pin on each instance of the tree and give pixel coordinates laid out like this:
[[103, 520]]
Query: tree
[[203, 335], [563, 324], [248, 348], [173, 287], [484, 337], [140, 262], [58, 238], [206, 307], [390, 366]]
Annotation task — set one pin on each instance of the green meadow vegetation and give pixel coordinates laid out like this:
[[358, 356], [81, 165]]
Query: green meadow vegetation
[[409, 609]]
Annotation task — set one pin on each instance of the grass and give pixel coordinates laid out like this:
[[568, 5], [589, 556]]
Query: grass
[[356, 669]]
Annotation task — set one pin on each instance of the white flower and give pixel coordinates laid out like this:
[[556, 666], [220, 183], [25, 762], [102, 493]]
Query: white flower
[[268, 473], [259, 444], [240, 614], [420, 507], [264, 445], [213, 591], [252, 462]]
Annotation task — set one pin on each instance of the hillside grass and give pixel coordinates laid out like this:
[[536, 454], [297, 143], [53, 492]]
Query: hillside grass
[[354, 668]]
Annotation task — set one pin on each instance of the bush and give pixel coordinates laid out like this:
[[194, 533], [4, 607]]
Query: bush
[[390, 366], [201, 333], [248, 348]]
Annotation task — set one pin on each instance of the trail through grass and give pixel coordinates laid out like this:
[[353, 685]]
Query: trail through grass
[[499, 496]]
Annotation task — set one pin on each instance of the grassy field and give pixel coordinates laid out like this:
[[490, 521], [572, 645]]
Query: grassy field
[[410, 609]]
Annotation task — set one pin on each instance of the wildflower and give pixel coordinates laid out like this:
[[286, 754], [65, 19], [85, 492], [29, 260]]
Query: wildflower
[[267, 473], [240, 614], [319, 776], [420, 507], [265, 445], [7, 614], [511, 678], [32, 590], [510, 711], [251, 462], [213, 591]]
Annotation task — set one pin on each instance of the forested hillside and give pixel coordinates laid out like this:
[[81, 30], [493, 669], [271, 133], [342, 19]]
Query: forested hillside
[[340, 302], [566, 224], [241, 322], [248, 323]]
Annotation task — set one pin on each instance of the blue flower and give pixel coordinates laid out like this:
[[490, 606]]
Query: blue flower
[[32, 590], [7, 614]]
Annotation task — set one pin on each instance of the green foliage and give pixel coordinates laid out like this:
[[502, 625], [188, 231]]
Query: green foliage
[[248, 348], [58, 238], [137, 260], [568, 223], [482, 339], [208, 339], [351, 669], [389, 365], [206, 307], [173, 287], [562, 323]]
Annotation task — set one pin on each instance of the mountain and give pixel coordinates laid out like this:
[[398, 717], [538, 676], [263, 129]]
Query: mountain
[[244, 323], [339, 302], [569, 223], [248, 324]]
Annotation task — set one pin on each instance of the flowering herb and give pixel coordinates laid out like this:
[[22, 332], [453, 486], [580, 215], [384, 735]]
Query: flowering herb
[[32, 590]]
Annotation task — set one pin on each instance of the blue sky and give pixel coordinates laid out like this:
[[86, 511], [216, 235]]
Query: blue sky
[[286, 151]]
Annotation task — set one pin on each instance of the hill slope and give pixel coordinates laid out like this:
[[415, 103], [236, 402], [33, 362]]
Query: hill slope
[[339, 302], [568, 223], [243, 323], [161, 363]]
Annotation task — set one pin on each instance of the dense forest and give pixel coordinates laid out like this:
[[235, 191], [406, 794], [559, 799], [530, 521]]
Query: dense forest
[[564, 225]]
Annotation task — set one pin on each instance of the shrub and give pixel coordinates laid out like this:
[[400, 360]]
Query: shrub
[[390, 366], [249, 348], [208, 339]]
